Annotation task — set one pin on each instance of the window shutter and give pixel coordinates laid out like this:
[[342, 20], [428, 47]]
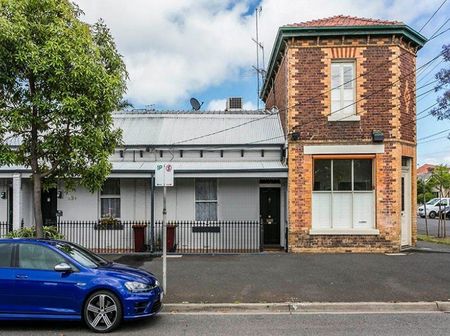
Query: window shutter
[[335, 87], [342, 89]]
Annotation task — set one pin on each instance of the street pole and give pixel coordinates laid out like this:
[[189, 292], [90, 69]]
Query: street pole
[[164, 241]]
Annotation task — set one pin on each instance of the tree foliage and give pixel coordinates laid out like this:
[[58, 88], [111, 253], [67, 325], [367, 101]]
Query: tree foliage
[[440, 179], [424, 191], [60, 80], [442, 111]]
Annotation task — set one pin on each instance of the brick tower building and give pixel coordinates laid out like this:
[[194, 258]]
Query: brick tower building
[[345, 91]]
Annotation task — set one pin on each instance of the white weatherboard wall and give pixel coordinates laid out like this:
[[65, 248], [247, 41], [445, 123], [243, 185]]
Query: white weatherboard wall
[[79, 204], [238, 199]]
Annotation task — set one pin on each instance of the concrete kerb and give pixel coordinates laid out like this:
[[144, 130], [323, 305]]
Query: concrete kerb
[[307, 307]]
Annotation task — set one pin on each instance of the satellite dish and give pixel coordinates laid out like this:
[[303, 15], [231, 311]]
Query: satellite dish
[[195, 104]]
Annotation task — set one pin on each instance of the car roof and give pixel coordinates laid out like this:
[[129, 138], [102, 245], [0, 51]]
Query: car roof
[[42, 241]]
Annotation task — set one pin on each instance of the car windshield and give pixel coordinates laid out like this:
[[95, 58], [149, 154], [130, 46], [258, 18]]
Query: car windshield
[[433, 201], [82, 255]]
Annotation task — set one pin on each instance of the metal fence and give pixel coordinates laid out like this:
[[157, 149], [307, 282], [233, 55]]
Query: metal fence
[[184, 237], [5, 228], [210, 237], [101, 237]]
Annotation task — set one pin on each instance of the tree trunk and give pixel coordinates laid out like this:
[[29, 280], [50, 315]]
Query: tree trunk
[[425, 211], [37, 193]]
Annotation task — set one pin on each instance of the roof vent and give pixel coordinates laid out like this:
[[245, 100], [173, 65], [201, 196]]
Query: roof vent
[[234, 104]]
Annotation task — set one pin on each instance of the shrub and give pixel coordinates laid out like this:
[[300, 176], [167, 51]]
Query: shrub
[[50, 232]]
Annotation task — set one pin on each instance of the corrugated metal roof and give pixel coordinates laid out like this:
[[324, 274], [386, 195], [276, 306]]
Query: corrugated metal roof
[[199, 128]]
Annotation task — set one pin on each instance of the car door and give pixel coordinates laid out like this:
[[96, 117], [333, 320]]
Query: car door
[[7, 278], [40, 289]]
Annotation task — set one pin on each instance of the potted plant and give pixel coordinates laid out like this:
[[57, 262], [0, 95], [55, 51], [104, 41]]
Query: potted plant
[[109, 223]]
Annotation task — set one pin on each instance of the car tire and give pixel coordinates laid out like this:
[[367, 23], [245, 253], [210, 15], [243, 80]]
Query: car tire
[[432, 215], [102, 311]]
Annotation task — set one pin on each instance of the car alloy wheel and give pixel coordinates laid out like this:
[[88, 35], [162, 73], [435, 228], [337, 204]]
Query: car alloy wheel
[[102, 312], [432, 214]]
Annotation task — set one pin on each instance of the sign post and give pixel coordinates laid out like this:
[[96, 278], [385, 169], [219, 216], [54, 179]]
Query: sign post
[[164, 178]]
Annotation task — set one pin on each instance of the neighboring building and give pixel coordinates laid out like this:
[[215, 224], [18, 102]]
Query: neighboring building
[[348, 189], [219, 175], [425, 170]]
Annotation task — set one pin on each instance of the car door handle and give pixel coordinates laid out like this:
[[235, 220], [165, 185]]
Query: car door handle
[[21, 276]]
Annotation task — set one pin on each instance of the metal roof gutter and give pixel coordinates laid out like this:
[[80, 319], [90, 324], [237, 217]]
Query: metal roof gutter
[[286, 32]]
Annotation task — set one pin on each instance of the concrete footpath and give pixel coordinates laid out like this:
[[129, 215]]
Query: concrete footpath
[[302, 278]]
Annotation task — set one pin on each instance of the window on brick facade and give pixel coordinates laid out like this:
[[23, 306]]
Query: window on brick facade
[[110, 199], [343, 194], [206, 199], [342, 90]]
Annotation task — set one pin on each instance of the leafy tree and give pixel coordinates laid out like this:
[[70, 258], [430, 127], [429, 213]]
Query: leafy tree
[[442, 111], [60, 80], [424, 191]]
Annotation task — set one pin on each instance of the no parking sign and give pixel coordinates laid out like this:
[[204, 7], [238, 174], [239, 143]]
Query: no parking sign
[[164, 175]]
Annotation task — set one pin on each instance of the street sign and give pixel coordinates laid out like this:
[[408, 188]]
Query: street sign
[[164, 175]]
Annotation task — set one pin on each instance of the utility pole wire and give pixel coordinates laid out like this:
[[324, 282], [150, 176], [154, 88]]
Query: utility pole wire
[[432, 16]]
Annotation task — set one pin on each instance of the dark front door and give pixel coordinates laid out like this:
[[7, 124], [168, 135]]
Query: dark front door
[[269, 200], [49, 207]]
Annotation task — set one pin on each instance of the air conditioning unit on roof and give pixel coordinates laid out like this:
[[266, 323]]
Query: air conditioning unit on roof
[[234, 104]]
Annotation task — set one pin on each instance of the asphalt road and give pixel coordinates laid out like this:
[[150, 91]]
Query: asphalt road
[[432, 226], [433, 324]]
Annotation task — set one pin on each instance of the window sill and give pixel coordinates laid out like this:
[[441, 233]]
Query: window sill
[[349, 118], [344, 232]]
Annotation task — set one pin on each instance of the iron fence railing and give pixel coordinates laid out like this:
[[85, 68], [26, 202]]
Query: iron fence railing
[[101, 237], [5, 228], [184, 237], [210, 236]]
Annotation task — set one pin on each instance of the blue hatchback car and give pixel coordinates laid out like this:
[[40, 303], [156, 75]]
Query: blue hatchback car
[[52, 279]]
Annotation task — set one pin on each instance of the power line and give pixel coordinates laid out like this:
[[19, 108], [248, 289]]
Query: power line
[[282, 136], [438, 34], [433, 135], [309, 99], [440, 27], [432, 16]]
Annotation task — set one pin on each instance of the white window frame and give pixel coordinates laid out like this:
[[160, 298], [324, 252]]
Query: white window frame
[[110, 196], [344, 231], [342, 114], [216, 201]]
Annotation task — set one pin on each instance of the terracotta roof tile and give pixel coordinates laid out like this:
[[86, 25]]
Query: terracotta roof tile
[[344, 21]]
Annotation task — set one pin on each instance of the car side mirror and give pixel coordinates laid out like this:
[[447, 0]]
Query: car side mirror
[[63, 267]]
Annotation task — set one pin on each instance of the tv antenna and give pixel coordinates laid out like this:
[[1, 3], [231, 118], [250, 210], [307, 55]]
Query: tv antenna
[[195, 104], [260, 71]]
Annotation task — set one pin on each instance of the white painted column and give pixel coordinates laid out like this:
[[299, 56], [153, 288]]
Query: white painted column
[[17, 200]]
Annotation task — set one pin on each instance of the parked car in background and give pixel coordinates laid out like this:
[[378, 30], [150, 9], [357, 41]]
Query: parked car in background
[[433, 206], [58, 280]]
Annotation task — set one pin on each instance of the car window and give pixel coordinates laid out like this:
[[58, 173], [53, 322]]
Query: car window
[[5, 255], [433, 201], [34, 256], [81, 255]]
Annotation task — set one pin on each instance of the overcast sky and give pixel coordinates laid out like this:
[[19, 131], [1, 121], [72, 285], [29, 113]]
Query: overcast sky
[[177, 49]]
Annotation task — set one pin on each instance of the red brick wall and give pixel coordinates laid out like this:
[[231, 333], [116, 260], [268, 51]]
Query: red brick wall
[[386, 102]]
